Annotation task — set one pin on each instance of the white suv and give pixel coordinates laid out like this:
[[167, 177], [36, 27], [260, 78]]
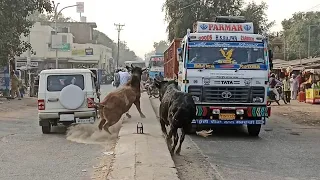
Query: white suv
[[65, 96]]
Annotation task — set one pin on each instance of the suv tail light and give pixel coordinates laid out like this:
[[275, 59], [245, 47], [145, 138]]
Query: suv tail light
[[90, 102], [41, 104]]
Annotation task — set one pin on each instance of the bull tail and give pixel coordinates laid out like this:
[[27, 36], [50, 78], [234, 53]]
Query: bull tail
[[96, 104]]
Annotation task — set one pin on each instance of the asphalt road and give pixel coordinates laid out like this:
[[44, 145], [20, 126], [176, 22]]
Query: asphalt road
[[284, 151], [27, 154]]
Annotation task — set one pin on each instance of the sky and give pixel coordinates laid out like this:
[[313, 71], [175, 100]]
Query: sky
[[144, 19]]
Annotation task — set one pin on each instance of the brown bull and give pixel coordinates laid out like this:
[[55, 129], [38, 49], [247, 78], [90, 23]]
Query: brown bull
[[118, 102]]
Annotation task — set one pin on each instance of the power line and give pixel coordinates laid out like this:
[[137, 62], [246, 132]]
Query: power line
[[184, 7], [313, 7], [119, 29]]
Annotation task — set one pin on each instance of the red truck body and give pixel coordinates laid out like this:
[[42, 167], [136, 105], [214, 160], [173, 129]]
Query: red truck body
[[171, 65]]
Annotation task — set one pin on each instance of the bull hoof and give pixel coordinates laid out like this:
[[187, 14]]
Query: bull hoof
[[107, 129], [178, 152], [142, 116]]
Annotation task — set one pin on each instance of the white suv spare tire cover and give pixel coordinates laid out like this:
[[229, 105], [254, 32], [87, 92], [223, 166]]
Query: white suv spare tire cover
[[71, 97]]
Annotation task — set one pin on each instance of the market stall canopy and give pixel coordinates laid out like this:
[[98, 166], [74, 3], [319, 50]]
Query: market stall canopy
[[298, 64]]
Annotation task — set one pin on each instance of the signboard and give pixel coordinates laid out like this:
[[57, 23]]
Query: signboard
[[89, 51], [24, 64], [80, 7], [4, 79], [226, 37], [207, 27], [82, 52]]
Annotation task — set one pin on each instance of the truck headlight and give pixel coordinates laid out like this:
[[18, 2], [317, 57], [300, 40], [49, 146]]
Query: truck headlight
[[216, 111], [239, 111], [196, 98], [257, 100]]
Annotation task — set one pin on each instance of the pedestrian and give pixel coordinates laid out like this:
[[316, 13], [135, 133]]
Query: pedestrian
[[294, 86], [286, 89], [123, 78], [15, 85]]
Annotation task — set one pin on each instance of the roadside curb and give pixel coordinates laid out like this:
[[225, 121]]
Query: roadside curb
[[142, 156], [215, 174]]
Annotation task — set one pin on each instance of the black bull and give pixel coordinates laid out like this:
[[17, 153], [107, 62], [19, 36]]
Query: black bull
[[177, 110]]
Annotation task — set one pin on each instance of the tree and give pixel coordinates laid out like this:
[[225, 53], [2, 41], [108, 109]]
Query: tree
[[180, 15], [296, 34], [256, 13], [40, 17], [160, 47], [14, 22]]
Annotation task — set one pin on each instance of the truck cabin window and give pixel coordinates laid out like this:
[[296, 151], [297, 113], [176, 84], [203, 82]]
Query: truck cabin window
[[223, 55]]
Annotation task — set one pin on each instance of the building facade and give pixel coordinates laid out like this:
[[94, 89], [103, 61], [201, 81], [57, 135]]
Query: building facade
[[78, 48]]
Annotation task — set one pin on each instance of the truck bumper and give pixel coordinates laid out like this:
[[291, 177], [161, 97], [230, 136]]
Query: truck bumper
[[211, 115], [223, 122]]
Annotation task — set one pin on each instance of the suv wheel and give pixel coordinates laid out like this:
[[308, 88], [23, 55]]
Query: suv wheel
[[254, 130], [46, 129]]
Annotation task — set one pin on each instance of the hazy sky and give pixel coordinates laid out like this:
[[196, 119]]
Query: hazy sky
[[144, 19]]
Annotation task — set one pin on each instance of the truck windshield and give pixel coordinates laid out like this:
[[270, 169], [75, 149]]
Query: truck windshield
[[156, 63], [226, 55]]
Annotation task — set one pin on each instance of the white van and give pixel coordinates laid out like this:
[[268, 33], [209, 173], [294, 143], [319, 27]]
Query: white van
[[65, 96]]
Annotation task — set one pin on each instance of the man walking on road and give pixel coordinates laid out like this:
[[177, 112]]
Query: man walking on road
[[120, 79], [15, 86]]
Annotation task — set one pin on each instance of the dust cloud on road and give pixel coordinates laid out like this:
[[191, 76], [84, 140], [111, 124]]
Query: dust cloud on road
[[90, 134]]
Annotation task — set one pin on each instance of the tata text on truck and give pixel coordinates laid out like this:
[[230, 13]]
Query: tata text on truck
[[225, 66], [156, 66]]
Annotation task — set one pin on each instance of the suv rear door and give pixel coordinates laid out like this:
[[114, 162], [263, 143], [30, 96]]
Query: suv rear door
[[55, 83]]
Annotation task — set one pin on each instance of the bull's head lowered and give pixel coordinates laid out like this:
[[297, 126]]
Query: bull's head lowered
[[162, 86]]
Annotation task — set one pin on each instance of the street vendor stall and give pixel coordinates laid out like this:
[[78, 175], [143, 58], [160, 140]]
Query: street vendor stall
[[312, 85]]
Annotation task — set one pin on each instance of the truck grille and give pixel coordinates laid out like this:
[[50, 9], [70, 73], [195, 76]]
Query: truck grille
[[213, 94]]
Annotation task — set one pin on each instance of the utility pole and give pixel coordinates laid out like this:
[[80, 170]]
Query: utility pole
[[119, 29]]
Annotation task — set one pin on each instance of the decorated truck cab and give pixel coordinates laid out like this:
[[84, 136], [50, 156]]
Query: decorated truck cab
[[225, 67], [156, 66]]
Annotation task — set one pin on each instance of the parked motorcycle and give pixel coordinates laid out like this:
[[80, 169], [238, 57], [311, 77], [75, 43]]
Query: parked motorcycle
[[272, 96]]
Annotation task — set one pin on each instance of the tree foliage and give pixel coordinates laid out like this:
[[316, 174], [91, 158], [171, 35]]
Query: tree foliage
[[180, 15], [296, 34], [160, 47], [14, 22], [49, 16]]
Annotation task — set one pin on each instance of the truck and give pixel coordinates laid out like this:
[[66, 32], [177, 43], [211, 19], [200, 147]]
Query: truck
[[156, 66], [170, 60], [224, 65]]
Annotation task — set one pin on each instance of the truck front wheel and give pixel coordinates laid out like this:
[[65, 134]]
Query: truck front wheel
[[254, 130]]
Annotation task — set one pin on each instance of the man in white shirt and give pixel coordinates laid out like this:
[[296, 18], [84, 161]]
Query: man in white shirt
[[124, 78]]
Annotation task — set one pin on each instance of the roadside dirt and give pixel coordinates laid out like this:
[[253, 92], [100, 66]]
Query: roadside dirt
[[300, 113], [90, 134], [15, 104], [191, 164]]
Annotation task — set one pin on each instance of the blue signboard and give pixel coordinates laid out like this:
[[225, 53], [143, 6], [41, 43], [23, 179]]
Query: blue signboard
[[4, 79]]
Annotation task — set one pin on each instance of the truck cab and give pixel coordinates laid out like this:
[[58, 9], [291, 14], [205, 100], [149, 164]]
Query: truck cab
[[156, 66], [225, 67]]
